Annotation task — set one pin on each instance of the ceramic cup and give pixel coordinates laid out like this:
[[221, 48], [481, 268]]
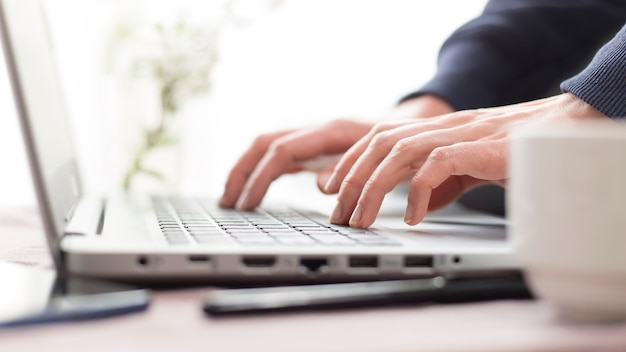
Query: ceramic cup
[[567, 208]]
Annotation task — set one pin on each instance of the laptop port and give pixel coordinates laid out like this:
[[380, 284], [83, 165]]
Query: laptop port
[[362, 261], [143, 261], [314, 265], [199, 259], [259, 261], [418, 261]]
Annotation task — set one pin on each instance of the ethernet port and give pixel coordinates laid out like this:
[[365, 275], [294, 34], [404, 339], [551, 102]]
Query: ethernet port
[[314, 265]]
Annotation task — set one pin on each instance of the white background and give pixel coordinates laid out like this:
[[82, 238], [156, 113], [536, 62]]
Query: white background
[[301, 64]]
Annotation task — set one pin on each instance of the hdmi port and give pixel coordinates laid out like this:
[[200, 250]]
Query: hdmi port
[[259, 262], [363, 262]]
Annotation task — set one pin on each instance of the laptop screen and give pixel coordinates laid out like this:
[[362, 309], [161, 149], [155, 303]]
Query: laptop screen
[[40, 106]]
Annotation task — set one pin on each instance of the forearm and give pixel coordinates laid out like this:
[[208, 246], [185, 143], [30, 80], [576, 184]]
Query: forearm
[[518, 50]]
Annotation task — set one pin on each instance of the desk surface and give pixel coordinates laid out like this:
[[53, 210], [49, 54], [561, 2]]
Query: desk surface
[[175, 321]]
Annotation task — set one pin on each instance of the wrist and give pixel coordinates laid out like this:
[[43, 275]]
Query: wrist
[[578, 108], [426, 105]]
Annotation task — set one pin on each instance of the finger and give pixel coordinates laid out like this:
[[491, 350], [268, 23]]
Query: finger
[[323, 176], [295, 149], [379, 146], [350, 157], [244, 167], [407, 155], [378, 170], [482, 159], [317, 164], [378, 136]]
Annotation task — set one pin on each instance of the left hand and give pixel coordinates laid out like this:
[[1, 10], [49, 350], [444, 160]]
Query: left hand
[[443, 156]]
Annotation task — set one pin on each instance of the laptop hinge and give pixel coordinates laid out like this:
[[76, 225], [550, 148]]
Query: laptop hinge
[[88, 217]]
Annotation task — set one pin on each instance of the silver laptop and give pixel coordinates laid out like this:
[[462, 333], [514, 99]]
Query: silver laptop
[[166, 239]]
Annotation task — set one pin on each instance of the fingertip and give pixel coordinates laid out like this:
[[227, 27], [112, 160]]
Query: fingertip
[[223, 203], [244, 205], [414, 217], [409, 214], [322, 181], [337, 215], [225, 200], [410, 221], [331, 185], [232, 191]]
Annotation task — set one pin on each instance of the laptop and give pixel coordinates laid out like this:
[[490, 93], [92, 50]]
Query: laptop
[[144, 238]]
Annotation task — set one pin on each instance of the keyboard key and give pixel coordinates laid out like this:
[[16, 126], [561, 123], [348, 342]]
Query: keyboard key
[[207, 233], [209, 224]]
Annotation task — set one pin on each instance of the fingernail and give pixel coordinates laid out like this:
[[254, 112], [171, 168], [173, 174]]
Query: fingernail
[[408, 214], [331, 183], [243, 202], [355, 220], [337, 215]]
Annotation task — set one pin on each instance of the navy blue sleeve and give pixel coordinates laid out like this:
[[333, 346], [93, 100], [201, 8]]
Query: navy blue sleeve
[[603, 83], [520, 50]]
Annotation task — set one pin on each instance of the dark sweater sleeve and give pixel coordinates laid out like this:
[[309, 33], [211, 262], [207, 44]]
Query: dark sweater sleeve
[[603, 83], [520, 50]]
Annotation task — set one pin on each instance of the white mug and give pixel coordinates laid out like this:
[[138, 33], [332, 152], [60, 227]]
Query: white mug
[[566, 202]]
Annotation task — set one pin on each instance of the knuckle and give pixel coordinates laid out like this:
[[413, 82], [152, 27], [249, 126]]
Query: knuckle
[[350, 183], [443, 159], [441, 154], [481, 127], [419, 181], [279, 147], [461, 117], [375, 187], [383, 140], [403, 146], [381, 127]]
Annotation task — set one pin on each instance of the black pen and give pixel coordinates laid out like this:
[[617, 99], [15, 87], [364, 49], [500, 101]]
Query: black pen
[[364, 294]]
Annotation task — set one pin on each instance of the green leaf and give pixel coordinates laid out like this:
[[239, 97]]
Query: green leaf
[[153, 173]]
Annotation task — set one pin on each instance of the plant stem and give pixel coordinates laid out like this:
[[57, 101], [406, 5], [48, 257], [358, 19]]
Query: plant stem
[[154, 138]]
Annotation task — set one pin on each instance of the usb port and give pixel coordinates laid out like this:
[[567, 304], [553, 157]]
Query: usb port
[[363, 262], [418, 261]]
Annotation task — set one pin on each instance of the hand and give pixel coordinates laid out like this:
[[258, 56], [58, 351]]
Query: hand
[[443, 156], [275, 154], [272, 155]]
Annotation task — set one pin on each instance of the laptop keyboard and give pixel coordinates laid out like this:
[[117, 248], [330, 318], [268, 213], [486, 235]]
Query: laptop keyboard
[[186, 220]]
